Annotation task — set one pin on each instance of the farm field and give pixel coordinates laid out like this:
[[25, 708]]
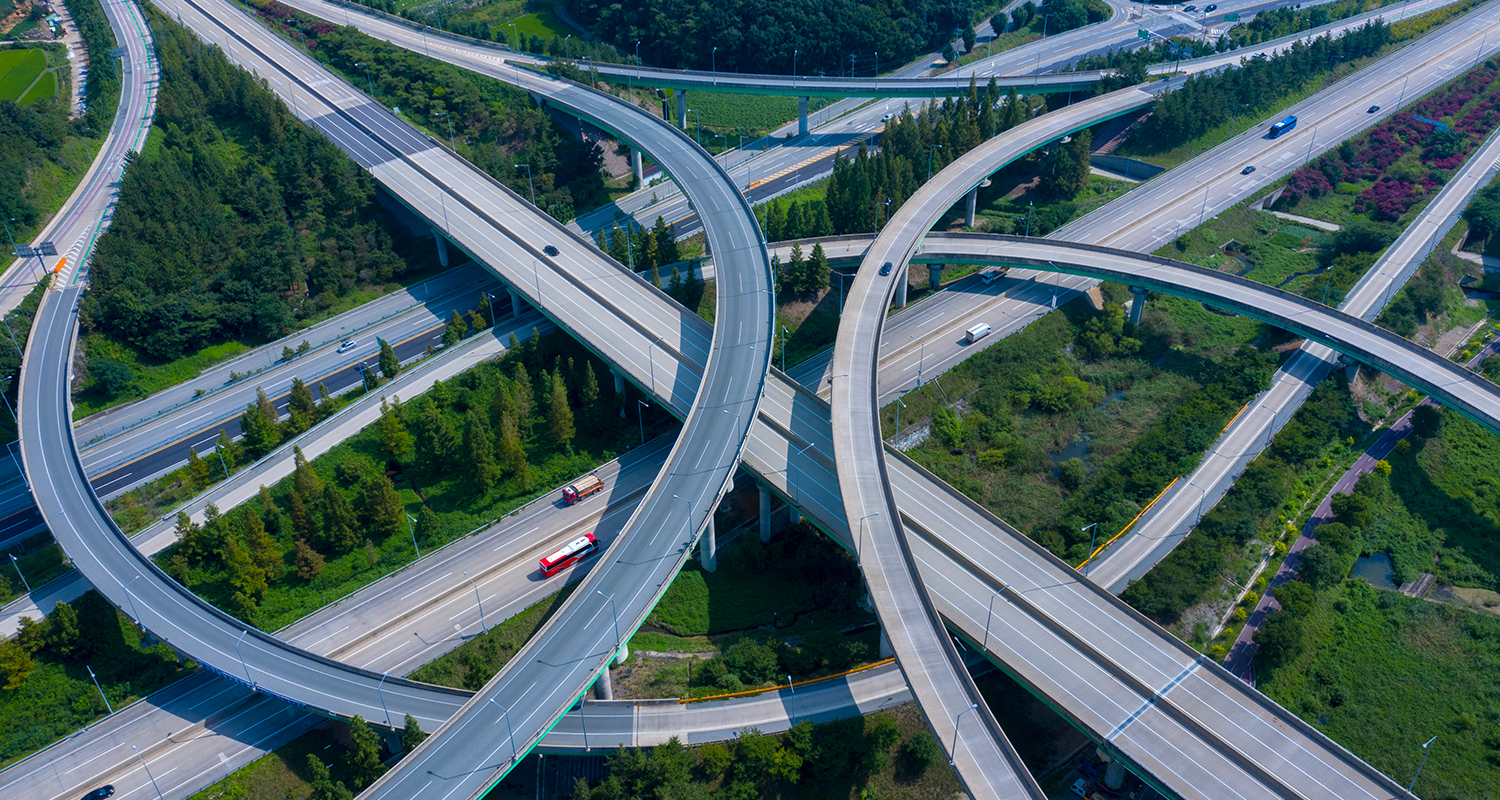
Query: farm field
[[24, 76]]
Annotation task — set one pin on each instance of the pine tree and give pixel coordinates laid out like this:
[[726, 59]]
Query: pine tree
[[259, 425], [513, 453], [247, 578], [304, 479], [338, 521], [477, 321], [379, 507], [300, 402], [63, 634], [363, 759], [263, 549], [188, 542], [302, 519], [371, 380], [525, 400], [395, 440], [479, 449], [390, 365], [455, 330], [436, 442], [591, 395], [617, 248], [796, 222], [324, 787], [794, 270], [559, 413], [776, 222], [816, 272], [412, 735], [326, 404], [309, 562], [227, 450], [666, 243], [429, 526], [199, 471]]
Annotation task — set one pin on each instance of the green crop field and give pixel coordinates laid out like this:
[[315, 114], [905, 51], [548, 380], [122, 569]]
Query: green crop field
[[18, 70], [750, 112], [44, 89]]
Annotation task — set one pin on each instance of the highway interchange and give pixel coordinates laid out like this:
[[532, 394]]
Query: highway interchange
[[798, 488]]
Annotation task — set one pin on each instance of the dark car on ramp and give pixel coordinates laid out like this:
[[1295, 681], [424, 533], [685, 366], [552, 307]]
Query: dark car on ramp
[[100, 793]]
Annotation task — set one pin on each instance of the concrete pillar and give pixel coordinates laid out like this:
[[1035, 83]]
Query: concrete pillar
[[1137, 304], [1114, 775], [635, 166], [708, 550], [623, 654], [604, 688], [795, 515], [934, 276], [516, 303], [901, 288], [392, 739], [681, 108], [619, 380], [886, 650], [765, 514], [802, 116], [970, 203], [442, 245]]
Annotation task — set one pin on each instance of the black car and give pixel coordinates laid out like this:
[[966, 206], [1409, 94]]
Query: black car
[[1189, 9], [1210, 8], [100, 793], [550, 250], [1372, 109], [885, 269], [1247, 170]]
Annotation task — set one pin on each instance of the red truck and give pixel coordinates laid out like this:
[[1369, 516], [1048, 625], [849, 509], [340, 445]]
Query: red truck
[[581, 488]]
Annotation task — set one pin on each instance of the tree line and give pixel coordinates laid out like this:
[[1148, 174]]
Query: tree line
[[221, 235], [1207, 101], [31, 136], [912, 147], [495, 126], [829, 36]]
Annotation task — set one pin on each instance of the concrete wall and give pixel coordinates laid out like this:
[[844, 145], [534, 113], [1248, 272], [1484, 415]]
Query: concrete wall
[[1129, 167]]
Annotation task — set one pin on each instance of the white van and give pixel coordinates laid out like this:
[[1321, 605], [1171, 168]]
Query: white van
[[976, 333]]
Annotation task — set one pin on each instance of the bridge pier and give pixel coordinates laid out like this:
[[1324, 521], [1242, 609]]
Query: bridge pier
[[886, 650], [635, 166], [901, 288], [442, 246], [802, 116], [765, 513], [793, 515], [516, 303], [681, 108], [970, 203], [604, 688], [1137, 304], [619, 380], [934, 276], [708, 549], [623, 654]]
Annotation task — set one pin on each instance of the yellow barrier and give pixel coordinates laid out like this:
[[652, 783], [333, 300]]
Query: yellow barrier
[[1137, 516], [783, 686], [1233, 418]]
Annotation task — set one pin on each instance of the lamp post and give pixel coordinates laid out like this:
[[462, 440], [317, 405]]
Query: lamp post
[[241, 654], [878, 204], [508, 728], [380, 692], [931, 148], [921, 357], [567, 52], [791, 717], [640, 404], [368, 81], [478, 602], [411, 525], [95, 678], [698, 122], [148, 772], [451, 145], [17, 565], [714, 64], [1094, 527], [1425, 753], [859, 548], [529, 182], [900, 404], [785, 334], [613, 609], [961, 714]]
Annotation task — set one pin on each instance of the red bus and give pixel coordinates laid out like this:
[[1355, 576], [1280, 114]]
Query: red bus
[[572, 553]]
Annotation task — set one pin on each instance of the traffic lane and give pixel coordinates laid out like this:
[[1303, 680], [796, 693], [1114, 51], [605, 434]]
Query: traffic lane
[[168, 457], [689, 224], [20, 525]]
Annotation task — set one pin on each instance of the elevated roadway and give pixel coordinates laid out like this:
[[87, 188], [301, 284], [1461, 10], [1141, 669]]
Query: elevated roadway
[[534, 690]]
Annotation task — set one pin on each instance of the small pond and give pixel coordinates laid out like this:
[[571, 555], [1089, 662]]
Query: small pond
[[1375, 569]]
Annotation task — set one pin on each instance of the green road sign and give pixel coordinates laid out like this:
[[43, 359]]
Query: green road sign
[[1144, 34], [1231, 17]]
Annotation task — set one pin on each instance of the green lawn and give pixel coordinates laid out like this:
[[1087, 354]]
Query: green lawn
[[18, 70], [750, 113]]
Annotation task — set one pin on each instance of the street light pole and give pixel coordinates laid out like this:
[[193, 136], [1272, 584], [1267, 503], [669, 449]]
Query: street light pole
[[1426, 752], [101, 691], [714, 64], [1094, 527], [368, 80], [954, 749], [638, 418], [148, 772], [508, 728], [17, 565], [930, 148], [921, 357], [241, 654], [411, 525], [615, 610], [529, 181], [478, 602], [859, 548], [449, 117]]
